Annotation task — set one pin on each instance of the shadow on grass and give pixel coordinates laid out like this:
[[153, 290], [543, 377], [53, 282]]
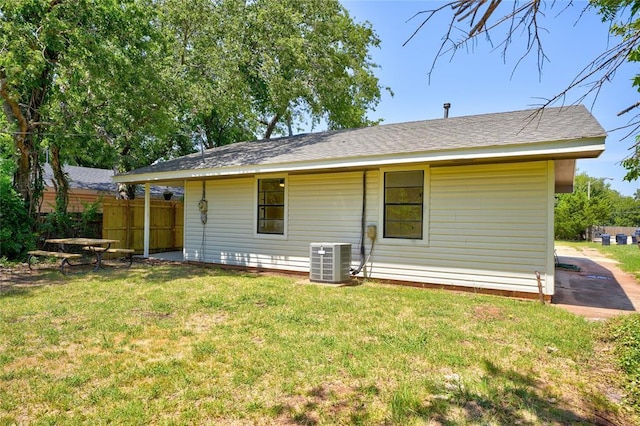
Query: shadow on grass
[[19, 281], [507, 397], [502, 397]]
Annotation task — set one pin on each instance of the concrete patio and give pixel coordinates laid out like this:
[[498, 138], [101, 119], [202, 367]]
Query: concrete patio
[[599, 290]]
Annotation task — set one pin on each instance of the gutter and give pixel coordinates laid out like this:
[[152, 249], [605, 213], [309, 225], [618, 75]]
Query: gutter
[[591, 148]]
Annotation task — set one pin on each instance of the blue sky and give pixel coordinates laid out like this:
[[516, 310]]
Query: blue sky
[[481, 81]]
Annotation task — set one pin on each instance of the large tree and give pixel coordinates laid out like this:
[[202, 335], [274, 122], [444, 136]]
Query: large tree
[[82, 79], [469, 20], [254, 69], [125, 83], [593, 203]]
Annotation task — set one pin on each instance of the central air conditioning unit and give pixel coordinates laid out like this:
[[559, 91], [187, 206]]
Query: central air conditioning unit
[[330, 262]]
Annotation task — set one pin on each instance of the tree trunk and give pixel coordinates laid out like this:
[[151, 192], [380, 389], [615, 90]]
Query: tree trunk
[[62, 182], [272, 126], [26, 176]]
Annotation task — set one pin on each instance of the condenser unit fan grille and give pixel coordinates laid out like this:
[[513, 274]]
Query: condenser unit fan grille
[[330, 262]]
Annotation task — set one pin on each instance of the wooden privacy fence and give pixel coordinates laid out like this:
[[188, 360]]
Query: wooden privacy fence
[[124, 220]]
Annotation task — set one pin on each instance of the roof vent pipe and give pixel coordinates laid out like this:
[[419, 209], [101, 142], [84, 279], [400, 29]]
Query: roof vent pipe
[[446, 109]]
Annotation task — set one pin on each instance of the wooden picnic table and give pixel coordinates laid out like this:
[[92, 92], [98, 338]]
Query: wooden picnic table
[[96, 246]]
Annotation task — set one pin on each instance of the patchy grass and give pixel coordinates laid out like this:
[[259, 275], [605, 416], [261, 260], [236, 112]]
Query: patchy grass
[[624, 333], [182, 345]]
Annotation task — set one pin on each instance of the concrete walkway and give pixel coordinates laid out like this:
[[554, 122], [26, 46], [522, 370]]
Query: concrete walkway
[[600, 290]]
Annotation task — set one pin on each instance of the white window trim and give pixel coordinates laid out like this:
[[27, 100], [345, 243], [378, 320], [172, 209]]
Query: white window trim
[[257, 234], [424, 241]]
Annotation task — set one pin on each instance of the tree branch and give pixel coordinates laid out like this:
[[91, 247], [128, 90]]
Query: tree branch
[[14, 106]]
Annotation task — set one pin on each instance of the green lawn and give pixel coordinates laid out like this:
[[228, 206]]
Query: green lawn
[[169, 344]]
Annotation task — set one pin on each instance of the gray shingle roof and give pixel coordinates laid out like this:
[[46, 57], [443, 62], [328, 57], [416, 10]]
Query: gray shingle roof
[[477, 131], [97, 180], [84, 177]]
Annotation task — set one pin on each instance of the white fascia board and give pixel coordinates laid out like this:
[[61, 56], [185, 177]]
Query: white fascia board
[[547, 149]]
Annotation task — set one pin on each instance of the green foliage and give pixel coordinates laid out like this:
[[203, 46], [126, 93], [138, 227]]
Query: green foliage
[[16, 237], [632, 162], [66, 225], [585, 206], [624, 332], [85, 80], [125, 83], [625, 23], [625, 210], [263, 66], [593, 202]]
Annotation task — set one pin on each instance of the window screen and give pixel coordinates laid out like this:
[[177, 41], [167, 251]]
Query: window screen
[[403, 204], [271, 206]]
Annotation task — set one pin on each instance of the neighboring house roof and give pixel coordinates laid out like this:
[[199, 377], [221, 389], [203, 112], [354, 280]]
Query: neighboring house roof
[[555, 133], [100, 180], [84, 178]]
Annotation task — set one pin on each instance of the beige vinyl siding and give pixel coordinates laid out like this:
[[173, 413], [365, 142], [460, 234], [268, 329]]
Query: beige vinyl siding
[[320, 208], [487, 228], [228, 231]]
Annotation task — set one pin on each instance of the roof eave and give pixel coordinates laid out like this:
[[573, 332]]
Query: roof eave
[[567, 149]]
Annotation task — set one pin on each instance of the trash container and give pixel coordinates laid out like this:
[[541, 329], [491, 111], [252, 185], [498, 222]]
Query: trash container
[[621, 239], [637, 232], [634, 239], [606, 239]]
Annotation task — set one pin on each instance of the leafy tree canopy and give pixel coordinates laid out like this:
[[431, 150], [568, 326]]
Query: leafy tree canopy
[[124, 83], [254, 69], [83, 79], [593, 202]]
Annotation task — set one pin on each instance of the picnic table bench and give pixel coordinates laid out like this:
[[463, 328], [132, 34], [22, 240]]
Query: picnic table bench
[[95, 246], [33, 254], [128, 253]]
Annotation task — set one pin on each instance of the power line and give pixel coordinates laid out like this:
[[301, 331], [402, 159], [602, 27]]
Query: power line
[[75, 134]]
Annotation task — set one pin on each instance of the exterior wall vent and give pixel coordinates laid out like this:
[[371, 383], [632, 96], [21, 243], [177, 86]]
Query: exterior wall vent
[[330, 262]]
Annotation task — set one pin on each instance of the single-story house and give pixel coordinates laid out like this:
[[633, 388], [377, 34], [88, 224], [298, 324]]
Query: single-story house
[[465, 202], [86, 185]]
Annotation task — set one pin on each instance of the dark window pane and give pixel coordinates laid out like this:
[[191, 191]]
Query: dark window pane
[[404, 195], [272, 198], [270, 185], [271, 206], [404, 213], [267, 226], [404, 179], [403, 201], [272, 213], [403, 230]]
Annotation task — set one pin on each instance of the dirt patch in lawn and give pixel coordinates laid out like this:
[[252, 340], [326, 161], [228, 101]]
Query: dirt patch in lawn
[[20, 275]]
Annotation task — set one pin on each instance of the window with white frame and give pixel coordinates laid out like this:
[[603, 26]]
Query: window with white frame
[[403, 204], [271, 206]]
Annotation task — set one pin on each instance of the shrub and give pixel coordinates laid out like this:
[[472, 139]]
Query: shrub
[[16, 237], [65, 225], [624, 332]]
